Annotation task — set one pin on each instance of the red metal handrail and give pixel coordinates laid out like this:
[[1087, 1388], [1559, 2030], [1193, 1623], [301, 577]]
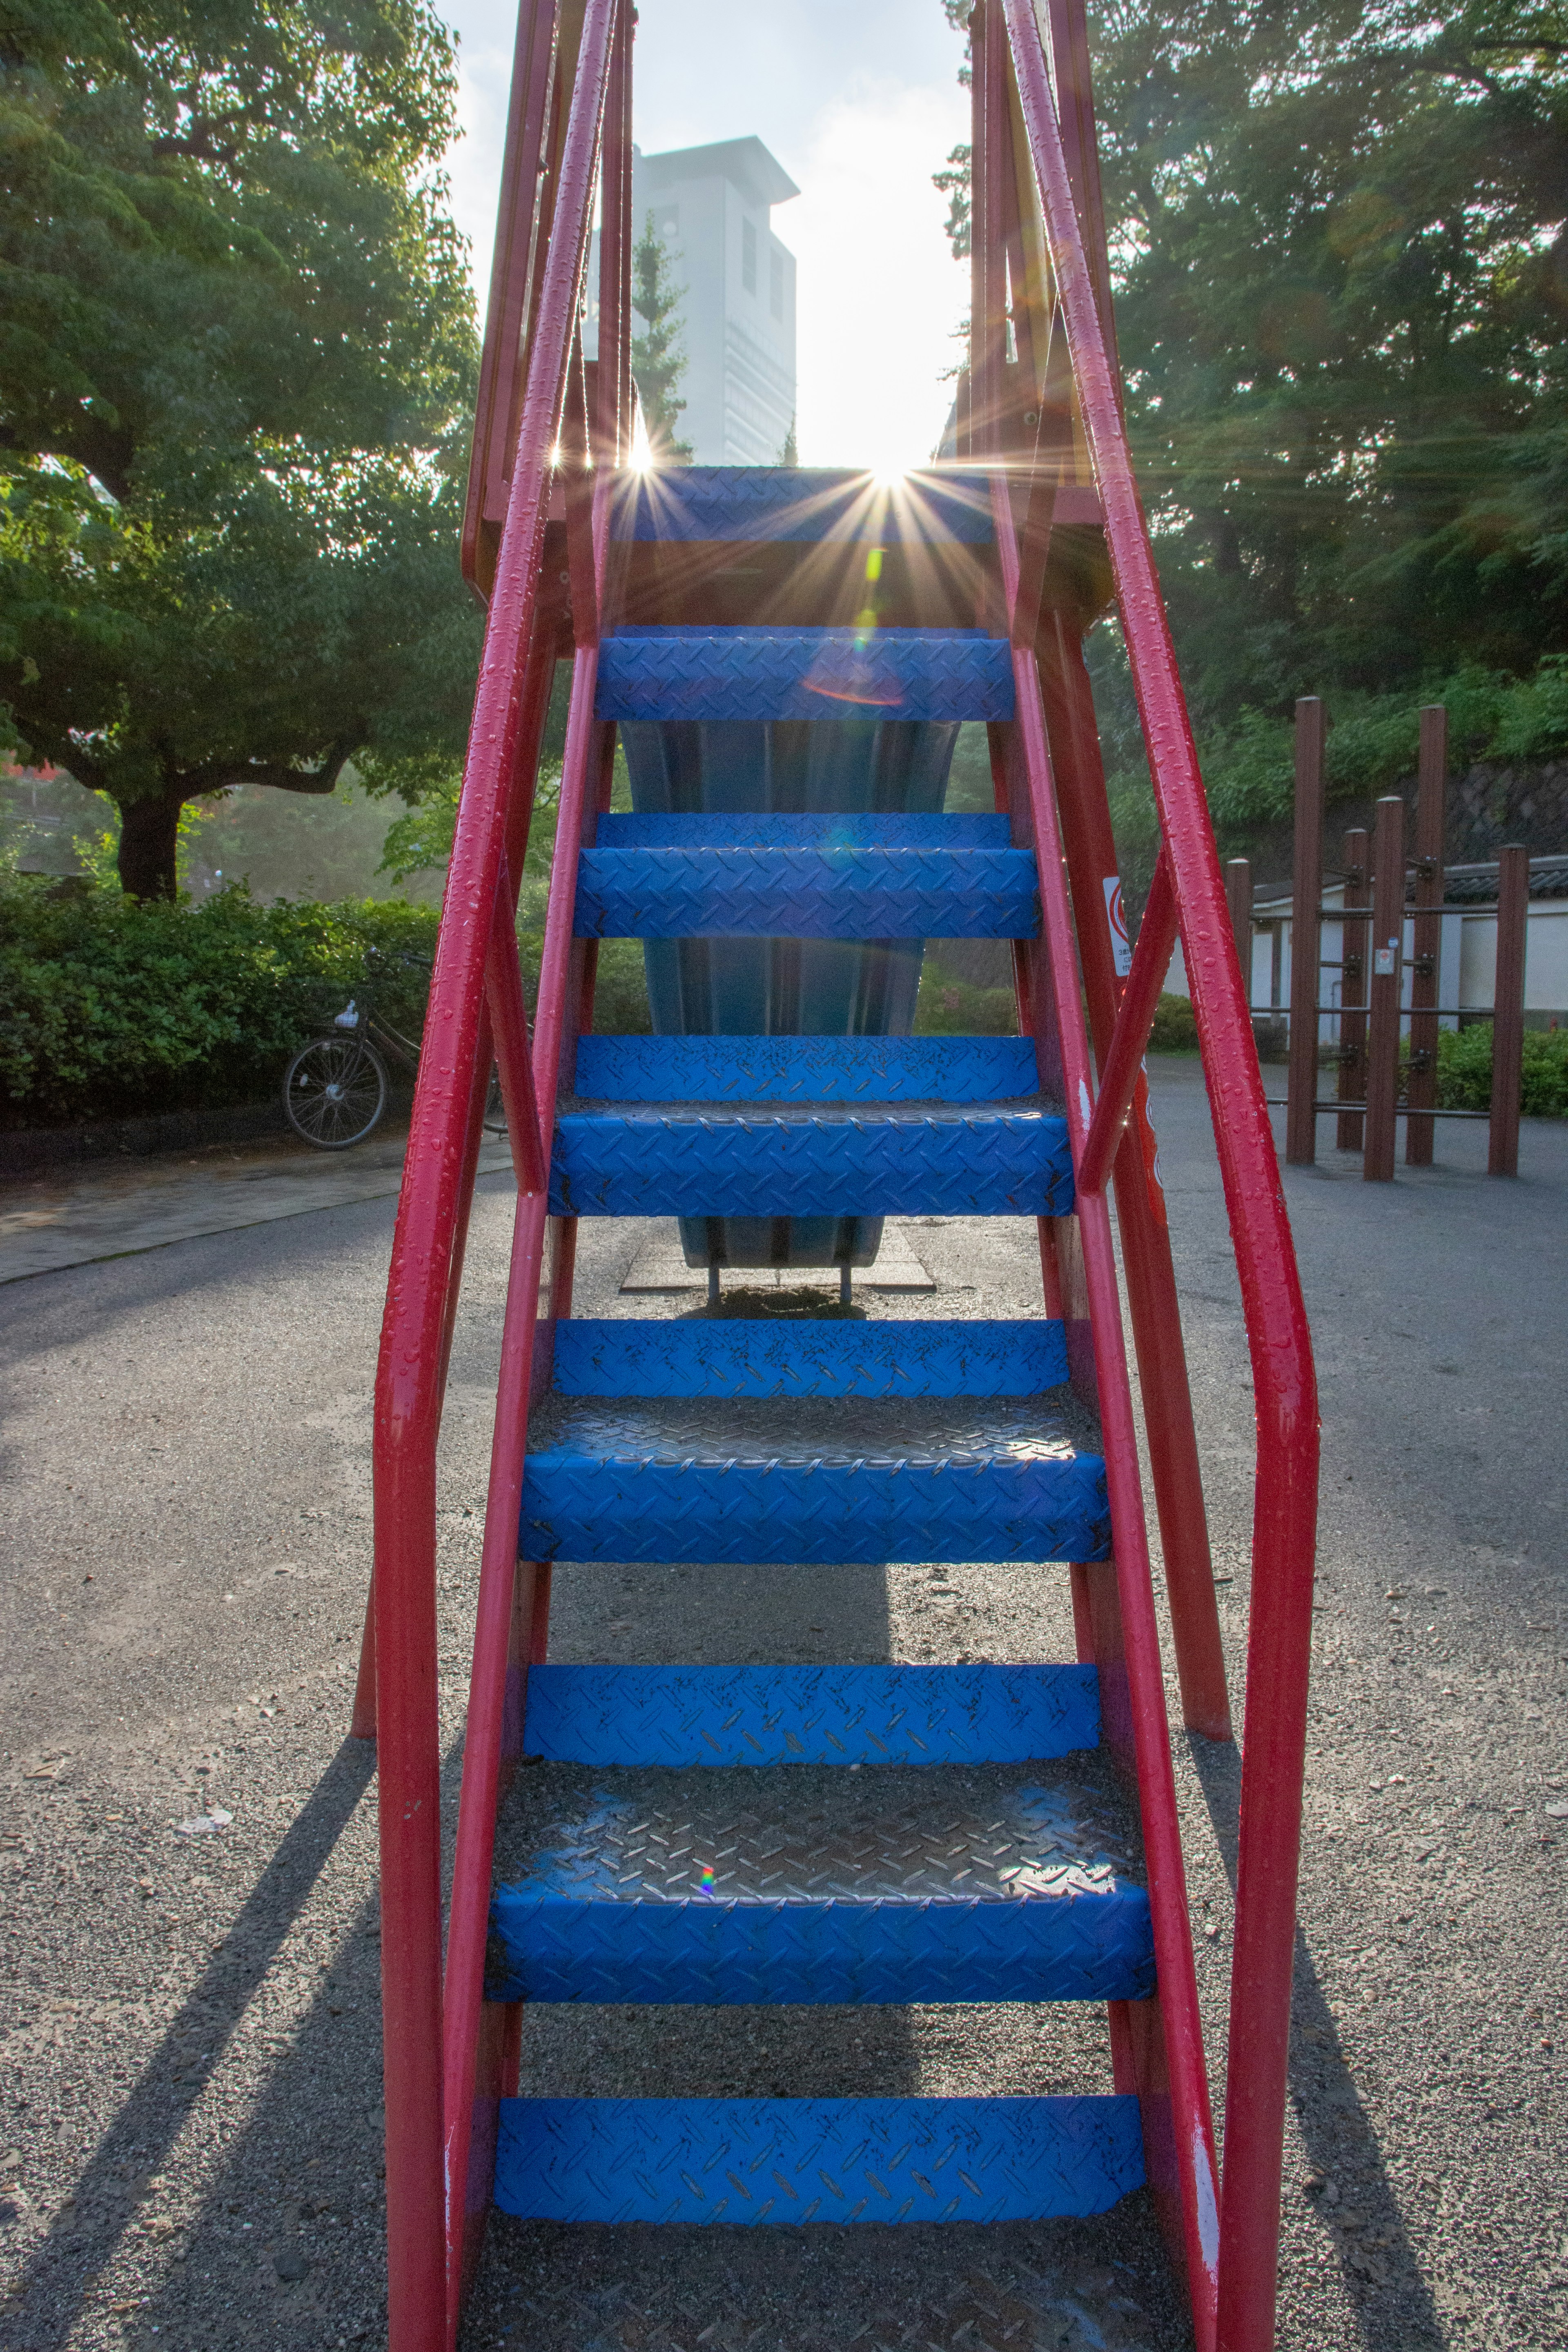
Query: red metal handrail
[[1129, 1038], [408, 1377], [1285, 1503], [1194, 2149]]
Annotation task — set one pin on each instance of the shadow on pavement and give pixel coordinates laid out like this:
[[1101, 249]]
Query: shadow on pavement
[[1383, 2285], [58, 2284]]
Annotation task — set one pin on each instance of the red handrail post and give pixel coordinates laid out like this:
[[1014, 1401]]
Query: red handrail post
[[1508, 1011], [1387, 960], [1285, 1388], [1090, 845], [1033, 799], [1140, 1001], [408, 1375], [1302, 1085], [1351, 1085], [1426, 935]]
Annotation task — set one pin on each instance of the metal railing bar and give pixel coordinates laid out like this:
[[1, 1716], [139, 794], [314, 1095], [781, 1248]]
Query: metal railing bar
[[407, 1381], [1280, 1630], [1156, 1782], [1129, 1039]]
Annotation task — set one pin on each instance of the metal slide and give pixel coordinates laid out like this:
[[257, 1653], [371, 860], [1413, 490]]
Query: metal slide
[[785, 656]]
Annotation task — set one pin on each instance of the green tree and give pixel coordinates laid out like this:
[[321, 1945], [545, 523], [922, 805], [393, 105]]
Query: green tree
[[658, 360], [1341, 263], [790, 453], [236, 351]]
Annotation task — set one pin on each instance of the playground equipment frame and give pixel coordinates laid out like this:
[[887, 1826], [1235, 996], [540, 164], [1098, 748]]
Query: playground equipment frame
[[447, 2057]]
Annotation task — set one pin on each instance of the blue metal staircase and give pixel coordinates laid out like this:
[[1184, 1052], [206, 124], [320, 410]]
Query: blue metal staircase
[[659, 1854]]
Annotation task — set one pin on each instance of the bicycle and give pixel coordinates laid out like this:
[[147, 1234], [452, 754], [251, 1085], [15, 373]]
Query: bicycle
[[335, 1089]]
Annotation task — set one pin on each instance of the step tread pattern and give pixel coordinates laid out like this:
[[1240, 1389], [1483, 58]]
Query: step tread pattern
[[901, 1162], [840, 1482], [803, 504], [968, 1070], [762, 2162], [764, 829], [718, 1716], [813, 674], [820, 1886], [806, 894], [639, 1357]]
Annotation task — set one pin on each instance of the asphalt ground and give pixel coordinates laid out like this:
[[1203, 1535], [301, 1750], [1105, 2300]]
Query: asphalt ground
[[190, 2097]]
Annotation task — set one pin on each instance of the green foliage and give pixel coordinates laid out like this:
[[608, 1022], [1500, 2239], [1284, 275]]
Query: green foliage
[[109, 1007], [1341, 267], [1465, 1070], [658, 358], [1175, 1029], [237, 351], [949, 1007]]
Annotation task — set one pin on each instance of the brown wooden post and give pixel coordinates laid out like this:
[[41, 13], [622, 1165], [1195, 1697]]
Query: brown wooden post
[[1238, 896], [1355, 957], [1508, 1010], [1301, 1084], [1426, 935], [1382, 994]]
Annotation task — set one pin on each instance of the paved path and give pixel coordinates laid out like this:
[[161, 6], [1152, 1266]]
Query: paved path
[[189, 2037], [75, 1216]]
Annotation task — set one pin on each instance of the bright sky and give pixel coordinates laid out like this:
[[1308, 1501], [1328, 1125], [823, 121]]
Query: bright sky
[[859, 100]]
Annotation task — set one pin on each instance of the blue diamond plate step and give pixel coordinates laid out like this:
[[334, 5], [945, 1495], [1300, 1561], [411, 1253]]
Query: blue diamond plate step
[[828, 1163], [817, 894], [759, 1482], [899, 1883], [763, 829], [715, 1716], [822, 674], [798, 2160], [803, 504], [806, 1069], [639, 1356]]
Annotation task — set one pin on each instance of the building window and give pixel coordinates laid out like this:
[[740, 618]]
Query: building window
[[749, 256], [775, 284]]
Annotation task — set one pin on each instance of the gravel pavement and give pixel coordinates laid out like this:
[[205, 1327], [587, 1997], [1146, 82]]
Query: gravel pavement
[[189, 2104]]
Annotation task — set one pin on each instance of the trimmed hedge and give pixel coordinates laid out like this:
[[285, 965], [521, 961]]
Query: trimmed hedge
[[109, 1008], [1465, 1070]]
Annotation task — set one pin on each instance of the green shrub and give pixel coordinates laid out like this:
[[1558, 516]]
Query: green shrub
[[1175, 1029], [948, 1007], [1465, 1070], [109, 1007]]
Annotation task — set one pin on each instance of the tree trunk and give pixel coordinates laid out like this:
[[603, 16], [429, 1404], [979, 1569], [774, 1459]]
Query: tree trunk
[[147, 832]]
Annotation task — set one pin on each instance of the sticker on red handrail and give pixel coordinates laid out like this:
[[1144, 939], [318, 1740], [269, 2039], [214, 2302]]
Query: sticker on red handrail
[[1116, 916]]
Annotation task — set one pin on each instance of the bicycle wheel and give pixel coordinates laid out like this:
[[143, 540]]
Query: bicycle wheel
[[334, 1092]]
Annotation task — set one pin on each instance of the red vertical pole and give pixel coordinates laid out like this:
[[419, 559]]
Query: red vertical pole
[[1239, 897], [1382, 1021], [1357, 892], [1508, 1010], [1139, 1197], [1302, 1085], [1426, 935]]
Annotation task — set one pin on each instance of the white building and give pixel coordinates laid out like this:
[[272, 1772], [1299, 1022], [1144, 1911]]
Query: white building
[[1468, 960], [712, 207]]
